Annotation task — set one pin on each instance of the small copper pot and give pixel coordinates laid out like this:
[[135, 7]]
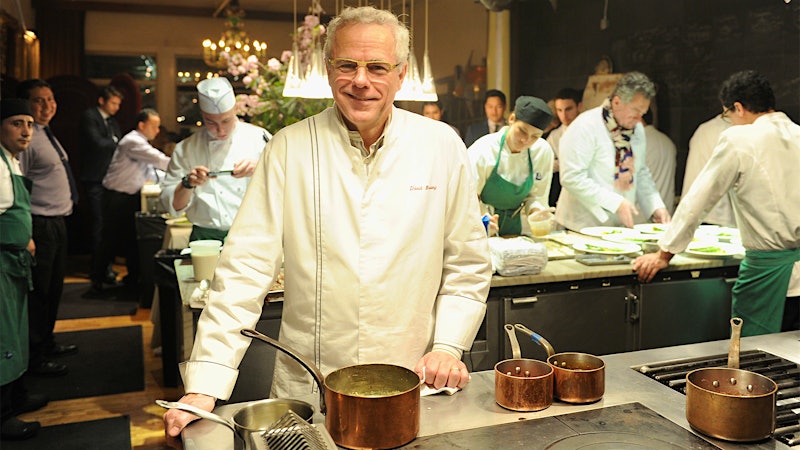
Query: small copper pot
[[729, 403], [522, 384], [577, 377]]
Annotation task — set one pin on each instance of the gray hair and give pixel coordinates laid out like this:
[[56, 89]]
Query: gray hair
[[633, 83], [369, 15]]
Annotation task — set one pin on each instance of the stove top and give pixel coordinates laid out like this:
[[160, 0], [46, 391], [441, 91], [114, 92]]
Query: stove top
[[628, 426], [782, 371]]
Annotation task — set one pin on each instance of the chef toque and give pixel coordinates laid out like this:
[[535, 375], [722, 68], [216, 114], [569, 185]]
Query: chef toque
[[215, 95], [533, 111], [14, 107]]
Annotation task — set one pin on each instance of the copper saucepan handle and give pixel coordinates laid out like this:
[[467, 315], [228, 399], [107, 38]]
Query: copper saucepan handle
[[733, 352], [512, 336], [535, 337], [306, 363]]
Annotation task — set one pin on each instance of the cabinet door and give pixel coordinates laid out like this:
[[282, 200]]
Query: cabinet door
[[585, 320], [684, 312]]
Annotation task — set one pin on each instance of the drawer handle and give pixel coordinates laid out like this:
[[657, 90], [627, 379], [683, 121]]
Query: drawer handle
[[523, 300]]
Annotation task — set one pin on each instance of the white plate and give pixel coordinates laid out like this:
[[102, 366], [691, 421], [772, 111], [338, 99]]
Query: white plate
[[606, 248], [602, 232], [651, 228], [632, 238], [714, 249]]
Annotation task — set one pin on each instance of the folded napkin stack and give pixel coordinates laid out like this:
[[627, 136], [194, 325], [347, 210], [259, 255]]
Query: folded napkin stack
[[517, 256]]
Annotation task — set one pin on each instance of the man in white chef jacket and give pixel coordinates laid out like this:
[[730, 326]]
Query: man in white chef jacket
[[604, 178], [373, 211], [756, 160], [224, 145]]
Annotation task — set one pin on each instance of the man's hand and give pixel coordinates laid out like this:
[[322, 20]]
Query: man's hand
[[661, 215], [648, 265], [198, 176], [625, 212], [31, 248], [442, 369], [244, 168], [176, 420]]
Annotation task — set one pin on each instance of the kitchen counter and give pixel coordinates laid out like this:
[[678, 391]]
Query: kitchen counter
[[475, 407]]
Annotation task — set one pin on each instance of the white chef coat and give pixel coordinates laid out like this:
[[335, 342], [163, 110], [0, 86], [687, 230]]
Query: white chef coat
[[6, 185], [701, 145], [513, 168], [133, 163], [385, 256], [661, 160], [214, 204], [758, 164], [586, 158], [554, 138]]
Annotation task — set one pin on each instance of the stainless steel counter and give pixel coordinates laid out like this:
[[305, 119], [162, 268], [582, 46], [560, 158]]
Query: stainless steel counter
[[475, 407]]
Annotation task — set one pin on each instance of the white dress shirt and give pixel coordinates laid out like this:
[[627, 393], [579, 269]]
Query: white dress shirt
[[133, 163]]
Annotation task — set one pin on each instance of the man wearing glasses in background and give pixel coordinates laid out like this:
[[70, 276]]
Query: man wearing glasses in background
[[756, 161], [373, 211]]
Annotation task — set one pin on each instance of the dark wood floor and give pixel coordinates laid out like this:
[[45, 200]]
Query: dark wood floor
[[147, 431]]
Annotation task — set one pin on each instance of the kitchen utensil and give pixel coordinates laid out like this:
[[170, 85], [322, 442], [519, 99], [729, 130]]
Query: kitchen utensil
[[219, 172], [577, 377], [291, 432], [522, 384], [366, 405], [255, 417], [729, 403]]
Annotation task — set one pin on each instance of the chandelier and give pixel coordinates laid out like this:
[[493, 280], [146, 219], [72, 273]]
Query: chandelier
[[233, 40]]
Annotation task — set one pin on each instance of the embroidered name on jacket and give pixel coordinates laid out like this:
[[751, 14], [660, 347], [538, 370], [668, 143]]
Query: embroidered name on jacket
[[422, 188]]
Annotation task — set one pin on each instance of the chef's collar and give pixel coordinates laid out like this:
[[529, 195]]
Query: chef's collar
[[356, 140]]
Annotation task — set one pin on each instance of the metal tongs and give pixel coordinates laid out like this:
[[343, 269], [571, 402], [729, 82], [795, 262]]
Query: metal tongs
[[217, 173]]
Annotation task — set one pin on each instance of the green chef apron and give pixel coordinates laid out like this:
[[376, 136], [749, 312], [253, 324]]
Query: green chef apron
[[759, 294], [15, 279], [201, 233], [505, 196]]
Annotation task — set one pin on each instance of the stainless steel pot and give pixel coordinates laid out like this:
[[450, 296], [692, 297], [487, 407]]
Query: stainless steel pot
[[255, 417], [577, 377], [522, 384], [729, 403], [366, 405]]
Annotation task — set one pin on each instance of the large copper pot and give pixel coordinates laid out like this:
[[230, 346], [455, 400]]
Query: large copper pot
[[522, 384], [577, 377], [729, 403], [366, 405]]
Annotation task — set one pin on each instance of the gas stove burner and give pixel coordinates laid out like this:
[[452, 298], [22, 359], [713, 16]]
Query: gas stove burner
[[782, 371], [606, 440]]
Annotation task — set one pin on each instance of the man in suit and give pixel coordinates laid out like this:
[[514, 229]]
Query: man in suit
[[494, 106], [100, 133]]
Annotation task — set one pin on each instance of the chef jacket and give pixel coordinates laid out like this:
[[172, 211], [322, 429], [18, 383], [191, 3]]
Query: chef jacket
[[701, 145], [587, 165], [513, 168], [385, 255], [661, 160], [214, 204]]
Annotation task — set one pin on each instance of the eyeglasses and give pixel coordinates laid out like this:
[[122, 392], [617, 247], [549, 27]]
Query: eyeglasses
[[725, 116], [347, 66]]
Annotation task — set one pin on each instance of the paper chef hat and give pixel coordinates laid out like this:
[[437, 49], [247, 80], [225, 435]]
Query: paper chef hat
[[215, 95]]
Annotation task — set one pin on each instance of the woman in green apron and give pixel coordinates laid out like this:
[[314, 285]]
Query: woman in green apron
[[16, 230], [513, 168]]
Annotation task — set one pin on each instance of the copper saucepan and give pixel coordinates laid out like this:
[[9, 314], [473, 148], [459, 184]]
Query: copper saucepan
[[578, 377], [366, 405], [522, 384], [729, 403]]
